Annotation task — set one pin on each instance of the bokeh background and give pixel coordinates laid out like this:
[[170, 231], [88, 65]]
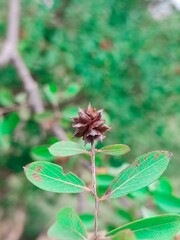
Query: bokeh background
[[122, 56]]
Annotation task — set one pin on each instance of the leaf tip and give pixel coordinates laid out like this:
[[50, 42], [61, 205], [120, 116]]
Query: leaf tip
[[167, 153], [26, 167], [170, 154]]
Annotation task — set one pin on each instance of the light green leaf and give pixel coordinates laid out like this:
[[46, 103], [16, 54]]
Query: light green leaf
[[125, 235], [50, 177], [6, 97], [156, 228], [142, 172], [146, 212], [72, 90], [167, 202], [66, 148], [68, 226], [46, 116], [164, 186], [69, 112], [103, 180], [41, 153], [51, 91], [88, 220], [116, 149]]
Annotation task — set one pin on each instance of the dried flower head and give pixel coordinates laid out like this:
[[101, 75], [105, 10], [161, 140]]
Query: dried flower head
[[89, 125]]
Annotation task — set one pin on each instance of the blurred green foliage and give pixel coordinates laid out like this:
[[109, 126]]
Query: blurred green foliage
[[110, 53]]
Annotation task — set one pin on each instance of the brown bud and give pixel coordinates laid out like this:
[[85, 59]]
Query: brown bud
[[89, 125]]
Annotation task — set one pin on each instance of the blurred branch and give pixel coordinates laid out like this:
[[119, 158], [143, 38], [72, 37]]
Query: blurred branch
[[11, 42], [10, 53], [29, 84], [12, 229], [6, 110]]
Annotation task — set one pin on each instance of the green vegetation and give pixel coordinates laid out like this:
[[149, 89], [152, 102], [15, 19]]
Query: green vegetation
[[116, 56]]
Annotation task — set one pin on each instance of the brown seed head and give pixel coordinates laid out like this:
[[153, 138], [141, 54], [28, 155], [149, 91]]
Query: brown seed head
[[89, 125]]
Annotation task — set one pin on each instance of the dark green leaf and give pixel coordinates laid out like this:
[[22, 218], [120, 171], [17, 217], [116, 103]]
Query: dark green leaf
[[103, 180], [167, 202], [156, 228], [9, 123], [50, 177], [41, 153], [68, 226]]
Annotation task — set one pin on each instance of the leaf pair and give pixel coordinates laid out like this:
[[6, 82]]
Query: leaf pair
[[142, 172], [67, 148], [50, 177], [69, 226]]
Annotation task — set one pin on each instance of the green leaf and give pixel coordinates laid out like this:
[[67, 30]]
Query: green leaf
[[88, 220], [125, 235], [164, 186], [46, 117], [68, 226], [9, 123], [69, 112], [50, 177], [66, 148], [6, 97], [142, 172], [116, 149], [156, 228], [103, 180], [167, 202], [41, 153], [51, 91], [72, 90], [146, 212]]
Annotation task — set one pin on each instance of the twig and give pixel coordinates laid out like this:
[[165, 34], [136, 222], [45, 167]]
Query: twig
[[96, 199], [29, 84], [5, 110]]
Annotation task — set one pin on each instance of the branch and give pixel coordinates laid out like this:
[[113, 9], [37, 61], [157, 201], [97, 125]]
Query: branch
[[10, 53], [12, 32], [30, 85]]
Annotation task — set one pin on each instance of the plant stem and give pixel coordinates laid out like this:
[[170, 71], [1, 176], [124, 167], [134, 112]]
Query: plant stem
[[96, 199]]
